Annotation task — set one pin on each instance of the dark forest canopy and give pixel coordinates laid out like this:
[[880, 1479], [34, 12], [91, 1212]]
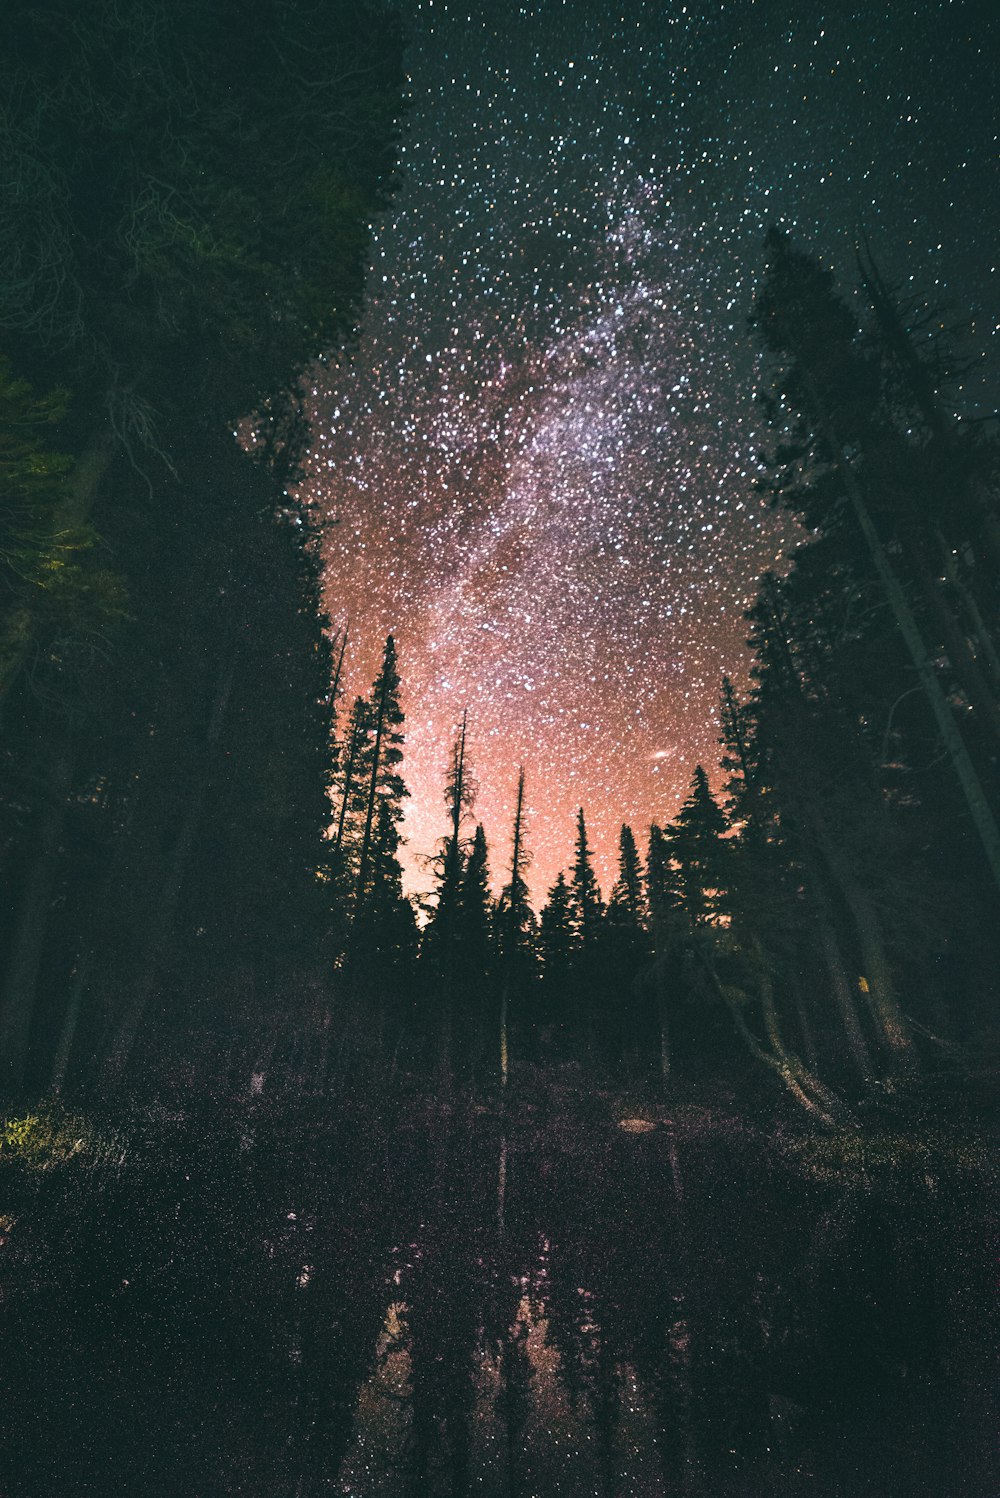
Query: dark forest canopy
[[185, 216], [187, 204], [189, 189]]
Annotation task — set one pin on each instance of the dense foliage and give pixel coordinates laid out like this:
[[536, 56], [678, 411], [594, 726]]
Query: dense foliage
[[187, 203]]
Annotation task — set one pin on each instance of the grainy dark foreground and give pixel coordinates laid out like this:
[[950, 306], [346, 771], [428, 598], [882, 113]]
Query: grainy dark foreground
[[588, 1295]]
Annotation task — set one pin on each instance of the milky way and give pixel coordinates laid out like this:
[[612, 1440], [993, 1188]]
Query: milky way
[[537, 467]]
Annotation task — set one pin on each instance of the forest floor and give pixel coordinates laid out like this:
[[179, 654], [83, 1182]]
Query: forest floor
[[949, 1113]]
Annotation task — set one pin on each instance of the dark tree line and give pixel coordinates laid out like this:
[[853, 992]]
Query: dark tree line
[[185, 219]]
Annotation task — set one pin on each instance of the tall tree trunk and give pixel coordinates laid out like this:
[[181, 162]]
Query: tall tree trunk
[[337, 673], [31, 924], [796, 1076], [807, 1090], [805, 1026], [366, 843], [890, 1022], [450, 894], [348, 787]]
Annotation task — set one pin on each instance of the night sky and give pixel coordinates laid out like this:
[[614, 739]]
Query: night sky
[[537, 466]]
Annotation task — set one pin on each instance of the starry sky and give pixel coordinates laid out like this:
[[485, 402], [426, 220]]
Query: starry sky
[[536, 468]]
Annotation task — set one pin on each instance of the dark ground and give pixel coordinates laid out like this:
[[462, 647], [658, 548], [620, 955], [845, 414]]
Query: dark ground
[[593, 1293]]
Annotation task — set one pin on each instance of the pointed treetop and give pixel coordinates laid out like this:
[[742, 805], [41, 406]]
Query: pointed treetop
[[627, 900], [558, 937], [515, 916], [588, 907]]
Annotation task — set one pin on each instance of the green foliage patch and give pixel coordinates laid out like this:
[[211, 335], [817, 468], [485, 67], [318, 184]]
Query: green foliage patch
[[52, 1136]]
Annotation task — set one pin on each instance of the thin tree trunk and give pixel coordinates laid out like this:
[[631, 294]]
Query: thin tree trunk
[[348, 787], [366, 842], [805, 1027], [791, 1067], [451, 893], [28, 943], [504, 1058], [890, 1021], [337, 673], [158, 936], [807, 1090]]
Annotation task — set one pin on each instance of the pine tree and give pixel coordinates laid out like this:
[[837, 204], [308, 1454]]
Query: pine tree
[[557, 939], [587, 905], [338, 647], [197, 673], [438, 947], [384, 939], [627, 916], [820, 846], [696, 844], [516, 926], [663, 889], [627, 902], [385, 755], [474, 919], [349, 778], [783, 895], [147, 314], [624, 950], [667, 928], [475, 953], [515, 917]]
